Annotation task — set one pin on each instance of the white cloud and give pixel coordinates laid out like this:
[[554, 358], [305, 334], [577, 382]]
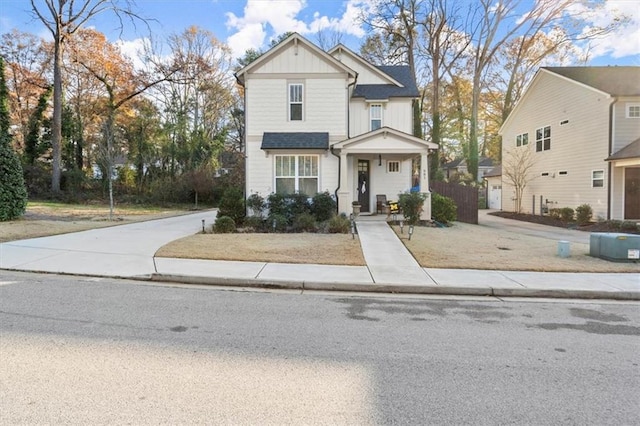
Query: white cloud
[[264, 18], [133, 49]]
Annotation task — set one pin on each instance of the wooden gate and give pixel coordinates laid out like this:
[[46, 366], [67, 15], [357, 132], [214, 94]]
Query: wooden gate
[[465, 197]]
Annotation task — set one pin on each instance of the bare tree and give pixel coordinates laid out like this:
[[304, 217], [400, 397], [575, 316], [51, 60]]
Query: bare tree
[[516, 170], [328, 38], [63, 18]]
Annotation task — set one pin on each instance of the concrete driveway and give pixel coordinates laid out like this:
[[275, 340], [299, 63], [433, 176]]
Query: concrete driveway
[[532, 229]]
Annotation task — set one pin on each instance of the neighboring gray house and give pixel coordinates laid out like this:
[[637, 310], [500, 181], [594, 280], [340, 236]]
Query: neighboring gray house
[[330, 121], [460, 166], [582, 128]]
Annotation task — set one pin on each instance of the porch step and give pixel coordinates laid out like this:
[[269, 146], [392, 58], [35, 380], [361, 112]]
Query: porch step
[[388, 260]]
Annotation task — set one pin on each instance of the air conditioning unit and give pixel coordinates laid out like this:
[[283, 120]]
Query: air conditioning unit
[[615, 246]]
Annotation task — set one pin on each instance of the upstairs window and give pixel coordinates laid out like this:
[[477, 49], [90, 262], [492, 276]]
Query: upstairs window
[[597, 179], [295, 102], [375, 112], [522, 139], [543, 139], [633, 110]]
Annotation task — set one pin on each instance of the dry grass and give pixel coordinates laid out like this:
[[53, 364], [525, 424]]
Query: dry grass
[[465, 246], [43, 219], [322, 249]]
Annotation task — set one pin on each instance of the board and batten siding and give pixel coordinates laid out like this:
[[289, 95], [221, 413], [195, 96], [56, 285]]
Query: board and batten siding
[[324, 105], [578, 146], [298, 59], [396, 113], [365, 74]]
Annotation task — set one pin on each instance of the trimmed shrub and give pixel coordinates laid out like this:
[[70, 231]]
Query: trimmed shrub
[[584, 213], [339, 224], [232, 204], [277, 222], [255, 223], [297, 204], [323, 206], [443, 209], [554, 213], [256, 203], [224, 225], [13, 192], [566, 214], [628, 225], [305, 222], [277, 204], [411, 204]]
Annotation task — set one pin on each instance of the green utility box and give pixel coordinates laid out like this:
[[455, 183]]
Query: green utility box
[[616, 247]]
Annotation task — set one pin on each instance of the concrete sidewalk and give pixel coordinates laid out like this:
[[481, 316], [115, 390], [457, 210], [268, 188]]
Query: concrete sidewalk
[[127, 251]]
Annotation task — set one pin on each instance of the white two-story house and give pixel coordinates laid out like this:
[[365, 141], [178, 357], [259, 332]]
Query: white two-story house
[[582, 128], [330, 121]]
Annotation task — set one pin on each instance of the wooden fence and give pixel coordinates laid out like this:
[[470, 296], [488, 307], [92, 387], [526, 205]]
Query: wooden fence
[[465, 197]]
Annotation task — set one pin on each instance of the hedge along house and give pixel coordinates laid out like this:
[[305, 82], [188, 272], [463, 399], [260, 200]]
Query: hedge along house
[[330, 121], [582, 128]]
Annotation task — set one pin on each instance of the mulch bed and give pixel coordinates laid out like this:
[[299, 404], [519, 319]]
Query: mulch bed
[[606, 226]]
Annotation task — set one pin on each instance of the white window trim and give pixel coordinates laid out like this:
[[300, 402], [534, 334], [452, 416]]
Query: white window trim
[[389, 162], [290, 102], [593, 178], [296, 177], [521, 137], [381, 118], [628, 107]]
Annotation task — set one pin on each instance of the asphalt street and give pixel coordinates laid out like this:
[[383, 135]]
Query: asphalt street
[[77, 350]]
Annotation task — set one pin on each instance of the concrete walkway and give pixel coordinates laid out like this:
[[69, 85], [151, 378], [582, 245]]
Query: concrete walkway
[[127, 251]]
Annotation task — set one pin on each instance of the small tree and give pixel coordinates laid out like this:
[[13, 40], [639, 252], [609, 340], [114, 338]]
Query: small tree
[[516, 170], [13, 194]]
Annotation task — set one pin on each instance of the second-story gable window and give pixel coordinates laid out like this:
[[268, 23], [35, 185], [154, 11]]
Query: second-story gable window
[[295, 102], [375, 112], [543, 139]]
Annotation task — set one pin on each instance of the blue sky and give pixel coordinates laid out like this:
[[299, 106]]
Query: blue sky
[[253, 23]]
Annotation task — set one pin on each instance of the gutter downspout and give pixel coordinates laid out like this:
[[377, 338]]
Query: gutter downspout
[[348, 137], [609, 175]]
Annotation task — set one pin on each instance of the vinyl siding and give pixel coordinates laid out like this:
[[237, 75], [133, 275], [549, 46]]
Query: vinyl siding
[[365, 74], [396, 114], [577, 147], [324, 105], [626, 130]]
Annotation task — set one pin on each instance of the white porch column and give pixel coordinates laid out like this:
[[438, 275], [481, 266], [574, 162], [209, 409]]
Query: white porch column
[[344, 199], [424, 186]]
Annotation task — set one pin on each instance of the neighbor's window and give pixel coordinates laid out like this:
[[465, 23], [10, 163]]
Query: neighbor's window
[[295, 102], [633, 110], [375, 111], [522, 139], [393, 166], [297, 173], [597, 178], [543, 139]]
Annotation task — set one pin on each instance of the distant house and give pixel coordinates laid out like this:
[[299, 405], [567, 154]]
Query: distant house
[[330, 121], [582, 128], [459, 166]]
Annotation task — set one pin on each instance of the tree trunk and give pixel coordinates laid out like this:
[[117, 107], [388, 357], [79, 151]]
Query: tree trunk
[[56, 124]]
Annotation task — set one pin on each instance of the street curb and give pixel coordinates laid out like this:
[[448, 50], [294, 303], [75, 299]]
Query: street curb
[[397, 288]]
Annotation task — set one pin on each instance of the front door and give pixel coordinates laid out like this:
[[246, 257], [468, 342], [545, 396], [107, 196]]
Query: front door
[[363, 185], [632, 193]]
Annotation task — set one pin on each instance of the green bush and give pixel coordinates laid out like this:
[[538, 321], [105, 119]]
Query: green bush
[[255, 223], [277, 222], [584, 213], [443, 209], [411, 204], [323, 206], [256, 203], [339, 224], [277, 204], [13, 193], [566, 214], [305, 222], [554, 213], [628, 225], [297, 204], [232, 204], [224, 225]]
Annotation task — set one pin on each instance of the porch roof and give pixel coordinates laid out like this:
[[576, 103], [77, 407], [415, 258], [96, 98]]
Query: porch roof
[[385, 141], [630, 151], [295, 140]]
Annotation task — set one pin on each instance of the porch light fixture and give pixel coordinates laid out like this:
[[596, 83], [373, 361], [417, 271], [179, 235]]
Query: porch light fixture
[[410, 231]]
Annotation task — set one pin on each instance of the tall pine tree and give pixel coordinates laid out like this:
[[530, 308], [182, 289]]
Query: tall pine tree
[[13, 193]]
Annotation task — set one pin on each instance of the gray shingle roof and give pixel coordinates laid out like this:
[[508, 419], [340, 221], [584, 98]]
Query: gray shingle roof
[[616, 81], [400, 73], [295, 140], [630, 151]]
